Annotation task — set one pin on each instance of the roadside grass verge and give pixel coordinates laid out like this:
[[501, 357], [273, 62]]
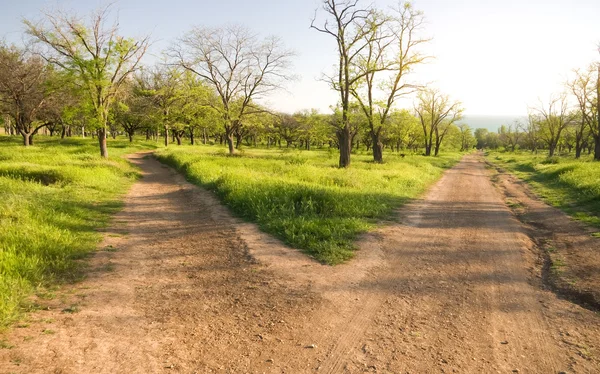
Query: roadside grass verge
[[568, 184], [302, 198], [53, 198]]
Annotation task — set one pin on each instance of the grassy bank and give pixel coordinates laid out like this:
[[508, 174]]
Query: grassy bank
[[53, 197], [569, 184], [303, 198]]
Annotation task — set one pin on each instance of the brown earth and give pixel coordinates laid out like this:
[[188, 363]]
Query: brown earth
[[182, 287], [570, 252]]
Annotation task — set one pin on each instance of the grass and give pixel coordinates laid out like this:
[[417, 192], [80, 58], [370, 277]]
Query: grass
[[302, 198], [569, 184], [53, 198]]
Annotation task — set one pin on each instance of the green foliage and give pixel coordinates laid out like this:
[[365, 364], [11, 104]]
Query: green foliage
[[569, 184], [53, 197], [303, 198]]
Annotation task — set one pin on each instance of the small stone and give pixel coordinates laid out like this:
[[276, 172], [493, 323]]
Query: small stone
[[311, 346], [504, 342], [515, 370], [270, 360]]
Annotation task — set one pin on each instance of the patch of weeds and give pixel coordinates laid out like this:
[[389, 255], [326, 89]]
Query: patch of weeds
[[596, 234], [4, 344], [108, 267], [557, 265], [72, 309], [23, 325], [46, 295], [110, 248], [27, 338], [513, 204], [48, 332]]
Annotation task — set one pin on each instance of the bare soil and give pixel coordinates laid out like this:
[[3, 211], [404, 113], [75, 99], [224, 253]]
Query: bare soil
[[180, 286], [571, 255]]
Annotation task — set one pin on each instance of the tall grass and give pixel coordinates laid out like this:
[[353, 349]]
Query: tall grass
[[53, 198], [303, 198], [569, 184]]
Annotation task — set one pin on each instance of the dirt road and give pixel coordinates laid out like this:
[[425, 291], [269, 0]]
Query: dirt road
[[182, 287]]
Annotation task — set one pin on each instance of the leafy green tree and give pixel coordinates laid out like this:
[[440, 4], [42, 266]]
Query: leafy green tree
[[509, 136], [552, 119], [94, 53], [467, 140], [162, 86]]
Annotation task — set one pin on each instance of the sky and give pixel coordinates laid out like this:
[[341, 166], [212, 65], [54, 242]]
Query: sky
[[495, 57]]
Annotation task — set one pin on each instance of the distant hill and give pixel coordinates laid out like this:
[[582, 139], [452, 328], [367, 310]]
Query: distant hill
[[492, 123]]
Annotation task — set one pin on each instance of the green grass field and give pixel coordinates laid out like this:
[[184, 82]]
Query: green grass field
[[569, 184], [302, 197], [53, 198]]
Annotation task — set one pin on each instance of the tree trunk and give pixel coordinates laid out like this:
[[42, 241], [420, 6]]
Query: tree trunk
[[238, 141], [27, 139], [130, 136], [166, 136], [551, 149], [102, 142], [192, 139], [204, 136], [427, 149], [230, 143], [597, 148], [345, 144], [377, 146]]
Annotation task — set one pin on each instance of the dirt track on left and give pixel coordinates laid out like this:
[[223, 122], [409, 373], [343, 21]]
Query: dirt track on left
[[180, 286]]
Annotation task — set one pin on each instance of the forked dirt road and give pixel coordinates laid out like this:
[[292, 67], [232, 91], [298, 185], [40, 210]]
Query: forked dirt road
[[182, 287]]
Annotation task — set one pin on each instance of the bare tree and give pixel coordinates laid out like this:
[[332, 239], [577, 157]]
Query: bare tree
[[240, 67], [391, 54], [94, 53], [553, 119], [437, 113], [24, 90], [351, 27]]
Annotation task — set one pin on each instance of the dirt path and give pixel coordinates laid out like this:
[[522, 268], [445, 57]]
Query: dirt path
[[183, 287]]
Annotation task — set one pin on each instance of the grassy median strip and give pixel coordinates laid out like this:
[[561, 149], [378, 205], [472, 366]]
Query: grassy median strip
[[568, 184], [302, 198], [53, 198]]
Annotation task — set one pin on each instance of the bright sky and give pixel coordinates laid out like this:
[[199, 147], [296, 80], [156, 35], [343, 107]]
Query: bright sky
[[496, 57]]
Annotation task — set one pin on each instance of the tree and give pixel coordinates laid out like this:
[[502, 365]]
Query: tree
[[25, 90], [466, 137], [437, 113], [349, 25], [552, 120], [509, 136], [99, 58], [390, 55], [238, 66], [583, 89]]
